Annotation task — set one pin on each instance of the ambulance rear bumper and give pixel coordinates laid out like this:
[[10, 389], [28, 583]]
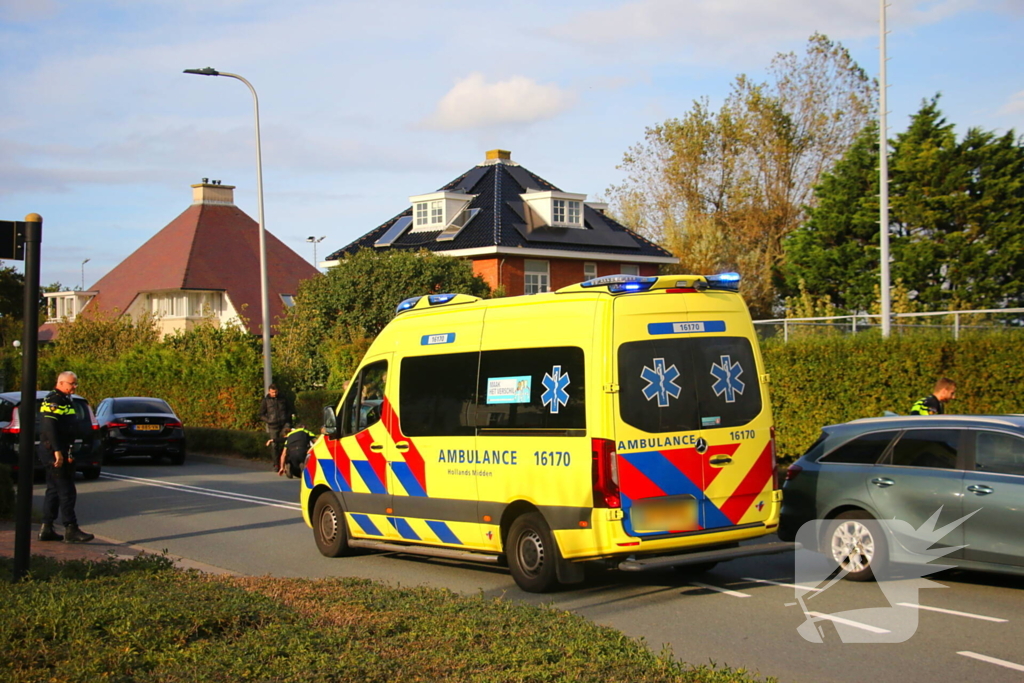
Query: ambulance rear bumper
[[721, 555]]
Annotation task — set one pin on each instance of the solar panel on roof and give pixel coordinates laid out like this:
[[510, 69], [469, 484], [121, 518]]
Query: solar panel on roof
[[457, 224], [394, 232], [467, 184], [525, 180]]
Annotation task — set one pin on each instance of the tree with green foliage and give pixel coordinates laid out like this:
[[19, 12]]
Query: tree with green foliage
[[326, 333], [722, 189], [956, 221]]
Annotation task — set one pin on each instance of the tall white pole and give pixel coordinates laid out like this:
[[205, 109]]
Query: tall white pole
[[883, 175], [264, 287]]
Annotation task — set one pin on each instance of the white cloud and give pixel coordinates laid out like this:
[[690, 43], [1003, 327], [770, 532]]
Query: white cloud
[[710, 29], [474, 103], [1015, 107], [27, 10]]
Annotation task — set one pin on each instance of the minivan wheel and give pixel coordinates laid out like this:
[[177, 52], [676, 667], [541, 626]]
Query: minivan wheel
[[857, 544], [329, 528], [531, 553]]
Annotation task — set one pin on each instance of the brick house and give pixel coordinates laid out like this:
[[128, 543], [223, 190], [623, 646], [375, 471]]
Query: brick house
[[522, 233], [204, 263]]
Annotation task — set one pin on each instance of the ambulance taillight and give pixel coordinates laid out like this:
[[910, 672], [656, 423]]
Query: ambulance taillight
[[605, 474], [775, 463]]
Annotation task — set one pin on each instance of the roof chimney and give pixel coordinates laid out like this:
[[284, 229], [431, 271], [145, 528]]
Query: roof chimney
[[212, 192], [502, 154]]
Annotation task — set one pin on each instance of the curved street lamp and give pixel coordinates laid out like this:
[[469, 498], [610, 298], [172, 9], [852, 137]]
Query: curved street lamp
[[264, 287]]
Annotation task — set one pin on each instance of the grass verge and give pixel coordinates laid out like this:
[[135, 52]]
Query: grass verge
[[141, 620]]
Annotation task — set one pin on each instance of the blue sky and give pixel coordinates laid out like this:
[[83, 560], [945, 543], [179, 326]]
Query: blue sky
[[364, 104]]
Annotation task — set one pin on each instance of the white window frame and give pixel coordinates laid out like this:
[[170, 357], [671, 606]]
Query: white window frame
[[536, 276], [629, 269], [574, 213], [589, 270], [422, 212]]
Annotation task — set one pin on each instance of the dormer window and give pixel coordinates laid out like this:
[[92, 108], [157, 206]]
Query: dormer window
[[432, 212], [557, 209]]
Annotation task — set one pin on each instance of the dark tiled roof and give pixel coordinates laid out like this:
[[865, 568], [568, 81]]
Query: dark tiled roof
[[501, 222], [207, 247]]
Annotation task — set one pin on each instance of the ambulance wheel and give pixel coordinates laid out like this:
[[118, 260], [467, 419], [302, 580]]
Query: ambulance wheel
[[855, 541], [329, 528], [531, 553]]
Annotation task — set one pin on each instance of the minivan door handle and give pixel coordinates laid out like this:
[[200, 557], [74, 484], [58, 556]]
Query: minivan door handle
[[981, 490], [882, 482], [376, 447], [721, 460], [401, 445]]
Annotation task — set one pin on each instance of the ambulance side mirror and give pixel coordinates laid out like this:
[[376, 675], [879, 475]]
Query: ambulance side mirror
[[330, 422]]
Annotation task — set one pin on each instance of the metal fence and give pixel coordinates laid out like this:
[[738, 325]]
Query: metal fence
[[955, 321]]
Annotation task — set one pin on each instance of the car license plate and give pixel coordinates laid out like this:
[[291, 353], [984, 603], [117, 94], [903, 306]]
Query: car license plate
[[148, 428], [667, 513]]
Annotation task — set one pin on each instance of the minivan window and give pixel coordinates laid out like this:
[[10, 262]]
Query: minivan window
[[864, 450], [999, 453], [531, 389], [364, 403], [437, 394], [675, 385], [934, 448]]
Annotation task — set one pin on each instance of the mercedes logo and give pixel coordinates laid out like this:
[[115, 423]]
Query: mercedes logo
[[702, 445]]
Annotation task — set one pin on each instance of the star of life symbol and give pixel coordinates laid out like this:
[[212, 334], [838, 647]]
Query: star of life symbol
[[728, 376], [554, 388], [845, 544], [661, 382]]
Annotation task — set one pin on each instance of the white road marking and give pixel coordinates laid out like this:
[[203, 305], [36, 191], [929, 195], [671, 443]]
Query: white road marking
[[848, 622], [953, 612], [787, 585], [213, 493], [735, 594], [992, 660]]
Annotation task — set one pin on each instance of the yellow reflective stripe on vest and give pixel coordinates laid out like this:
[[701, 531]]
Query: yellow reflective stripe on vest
[[57, 410]]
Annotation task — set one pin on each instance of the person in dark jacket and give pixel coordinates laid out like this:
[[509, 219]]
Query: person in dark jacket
[[935, 404], [293, 455], [276, 413], [57, 427]]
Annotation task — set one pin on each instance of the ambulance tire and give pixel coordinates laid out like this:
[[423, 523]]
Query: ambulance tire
[[532, 555], [856, 542], [329, 527]]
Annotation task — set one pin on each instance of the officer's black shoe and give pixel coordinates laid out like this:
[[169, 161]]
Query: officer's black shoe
[[46, 533], [72, 534]]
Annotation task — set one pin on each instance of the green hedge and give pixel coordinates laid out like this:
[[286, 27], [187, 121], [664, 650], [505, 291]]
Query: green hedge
[[818, 381], [309, 406], [248, 444]]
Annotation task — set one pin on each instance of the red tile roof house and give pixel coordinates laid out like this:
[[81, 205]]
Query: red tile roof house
[[204, 262], [521, 232]]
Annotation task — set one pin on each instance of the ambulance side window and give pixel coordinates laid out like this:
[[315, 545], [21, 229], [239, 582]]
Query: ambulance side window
[[437, 393], [532, 389], [365, 399]]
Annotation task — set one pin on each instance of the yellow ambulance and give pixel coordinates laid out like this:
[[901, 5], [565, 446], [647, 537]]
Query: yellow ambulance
[[623, 420]]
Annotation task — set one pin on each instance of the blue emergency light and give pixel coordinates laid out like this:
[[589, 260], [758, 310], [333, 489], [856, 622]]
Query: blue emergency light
[[619, 284], [725, 281], [407, 304], [436, 299]]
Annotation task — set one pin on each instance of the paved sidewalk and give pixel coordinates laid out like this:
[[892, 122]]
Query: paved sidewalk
[[100, 548]]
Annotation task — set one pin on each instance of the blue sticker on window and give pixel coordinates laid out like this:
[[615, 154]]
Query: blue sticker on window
[[728, 379], [431, 339], [661, 382], [691, 327], [555, 394]]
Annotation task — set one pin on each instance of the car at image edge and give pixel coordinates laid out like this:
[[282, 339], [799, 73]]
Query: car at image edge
[[86, 450], [907, 468]]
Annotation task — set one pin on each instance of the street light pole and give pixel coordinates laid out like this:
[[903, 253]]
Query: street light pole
[[83, 273], [314, 241], [264, 287], [883, 177]]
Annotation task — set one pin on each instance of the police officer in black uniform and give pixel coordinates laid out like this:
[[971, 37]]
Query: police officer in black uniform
[[57, 434]]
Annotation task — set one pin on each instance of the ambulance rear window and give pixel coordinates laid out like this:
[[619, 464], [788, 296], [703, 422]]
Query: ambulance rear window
[[678, 385]]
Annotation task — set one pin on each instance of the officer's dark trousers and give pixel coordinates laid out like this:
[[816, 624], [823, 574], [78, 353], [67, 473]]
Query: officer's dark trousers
[[60, 494]]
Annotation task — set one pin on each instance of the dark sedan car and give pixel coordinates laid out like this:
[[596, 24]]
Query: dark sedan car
[[907, 469], [140, 426], [86, 449]]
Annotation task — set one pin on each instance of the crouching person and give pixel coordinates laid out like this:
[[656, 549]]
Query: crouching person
[[293, 455], [56, 436]]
